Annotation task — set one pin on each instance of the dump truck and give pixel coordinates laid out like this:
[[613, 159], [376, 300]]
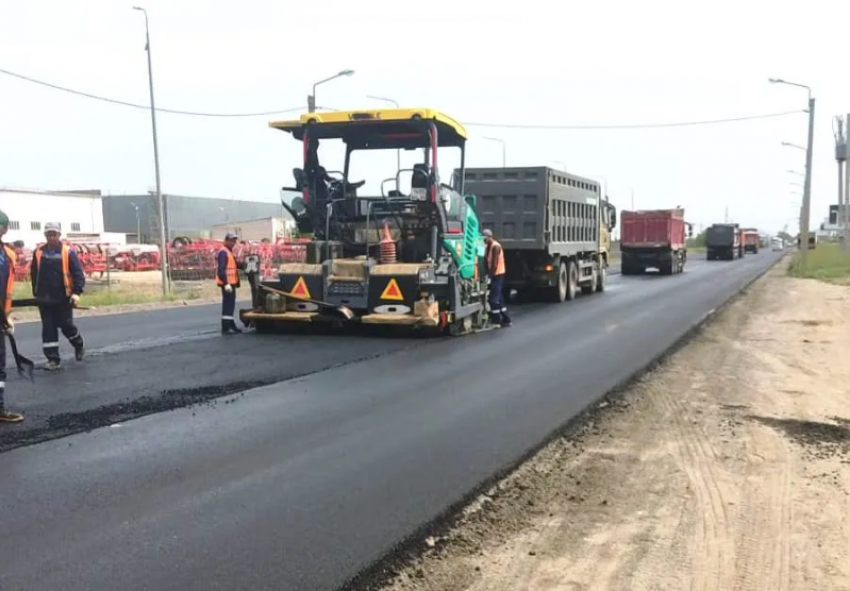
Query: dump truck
[[654, 238], [410, 258], [750, 239], [554, 228], [723, 242]]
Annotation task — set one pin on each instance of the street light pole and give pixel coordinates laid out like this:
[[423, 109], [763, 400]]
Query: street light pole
[[807, 193], [397, 106], [162, 231], [311, 99], [504, 157]]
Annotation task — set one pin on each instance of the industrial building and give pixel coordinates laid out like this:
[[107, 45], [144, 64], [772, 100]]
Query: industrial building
[[192, 217], [269, 229], [79, 214]]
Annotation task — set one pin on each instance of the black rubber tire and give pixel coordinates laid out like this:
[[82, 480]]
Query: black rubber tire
[[590, 287], [572, 285], [558, 294]]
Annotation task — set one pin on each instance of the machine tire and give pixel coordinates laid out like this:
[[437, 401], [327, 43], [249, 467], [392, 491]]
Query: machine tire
[[559, 293], [572, 280]]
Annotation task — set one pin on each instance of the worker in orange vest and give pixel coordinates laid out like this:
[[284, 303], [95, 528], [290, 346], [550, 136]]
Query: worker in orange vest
[[227, 278], [57, 283], [494, 257], [7, 284]]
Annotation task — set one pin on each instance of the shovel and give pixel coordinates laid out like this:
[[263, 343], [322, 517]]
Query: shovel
[[33, 302], [345, 311], [25, 366]]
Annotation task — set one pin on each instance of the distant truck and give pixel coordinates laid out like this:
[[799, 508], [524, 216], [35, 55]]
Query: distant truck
[[654, 238], [750, 239], [554, 228], [723, 242]]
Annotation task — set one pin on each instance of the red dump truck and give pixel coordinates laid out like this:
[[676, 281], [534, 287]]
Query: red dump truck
[[654, 238], [750, 239]]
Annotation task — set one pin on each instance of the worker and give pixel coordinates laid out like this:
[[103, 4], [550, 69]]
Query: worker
[[494, 256], [7, 283], [57, 284], [227, 278]]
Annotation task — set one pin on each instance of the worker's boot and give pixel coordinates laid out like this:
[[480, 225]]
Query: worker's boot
[[10, 417], [233, 328], [495, 318], [506, 320], [229, 327], [6, 416], [79, 348], [53, 365]]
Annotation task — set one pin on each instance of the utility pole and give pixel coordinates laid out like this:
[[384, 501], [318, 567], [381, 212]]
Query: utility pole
[[807, 192], [841, 157], [726, 215], [162, 230], [846, 224]]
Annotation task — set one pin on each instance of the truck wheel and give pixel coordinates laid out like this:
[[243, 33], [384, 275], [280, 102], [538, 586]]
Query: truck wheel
[[590, 286], [572, 276], [600, 279], [558, 294]]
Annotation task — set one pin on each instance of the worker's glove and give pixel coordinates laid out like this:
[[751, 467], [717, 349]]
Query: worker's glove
[[75, 299], [10, 326], [228, 288], [488, 280]]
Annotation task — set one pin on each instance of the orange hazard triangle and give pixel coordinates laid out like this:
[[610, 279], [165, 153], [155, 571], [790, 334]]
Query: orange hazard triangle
[[392, 292], [301, 290]]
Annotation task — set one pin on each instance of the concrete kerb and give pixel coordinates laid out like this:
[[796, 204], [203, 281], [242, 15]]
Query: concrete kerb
[[382, 571]]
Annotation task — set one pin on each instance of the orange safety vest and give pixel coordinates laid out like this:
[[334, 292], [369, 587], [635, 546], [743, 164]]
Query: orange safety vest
[[499, 263], [66, 269], [10, 283], [231, 271]]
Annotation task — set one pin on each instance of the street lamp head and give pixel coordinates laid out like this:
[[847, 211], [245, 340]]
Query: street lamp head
[[138, 8], [346, 73], [776, 80]]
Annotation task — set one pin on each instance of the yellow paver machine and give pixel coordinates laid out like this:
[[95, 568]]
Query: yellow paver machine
[[414, 260]]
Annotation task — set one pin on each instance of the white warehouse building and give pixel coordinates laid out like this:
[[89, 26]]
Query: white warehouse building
[[79, 213]]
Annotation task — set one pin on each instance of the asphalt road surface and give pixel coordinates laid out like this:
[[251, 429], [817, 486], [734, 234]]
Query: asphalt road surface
[[302, 483]]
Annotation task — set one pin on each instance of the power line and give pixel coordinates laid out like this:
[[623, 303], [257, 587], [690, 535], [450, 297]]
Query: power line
[[146, 107], [634, 126], [472, 124]]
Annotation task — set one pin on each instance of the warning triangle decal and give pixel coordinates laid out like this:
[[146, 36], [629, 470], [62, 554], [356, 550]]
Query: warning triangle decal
[[392, 292], [301, 290]]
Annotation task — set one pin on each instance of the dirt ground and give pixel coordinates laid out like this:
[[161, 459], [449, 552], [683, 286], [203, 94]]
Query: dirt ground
[[725, 469]]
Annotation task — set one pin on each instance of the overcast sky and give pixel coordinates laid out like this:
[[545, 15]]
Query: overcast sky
[[569, 63]]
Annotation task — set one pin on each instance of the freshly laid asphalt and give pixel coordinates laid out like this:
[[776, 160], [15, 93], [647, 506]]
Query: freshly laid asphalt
[[300, 484]]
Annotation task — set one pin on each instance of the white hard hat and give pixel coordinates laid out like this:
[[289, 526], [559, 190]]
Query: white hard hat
[[52, 227]]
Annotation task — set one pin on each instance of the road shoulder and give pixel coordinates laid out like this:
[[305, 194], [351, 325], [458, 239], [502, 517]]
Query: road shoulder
[[725, 467]]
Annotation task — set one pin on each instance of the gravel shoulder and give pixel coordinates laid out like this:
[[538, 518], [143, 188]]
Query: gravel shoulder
[[725, 468]]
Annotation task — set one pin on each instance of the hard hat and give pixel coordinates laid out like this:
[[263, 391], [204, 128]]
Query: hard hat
[[52, 227], [231, 236], [487, 232], [4, 219]]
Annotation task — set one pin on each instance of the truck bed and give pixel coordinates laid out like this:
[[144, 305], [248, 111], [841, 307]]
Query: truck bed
[[536, 208], [657, 228]]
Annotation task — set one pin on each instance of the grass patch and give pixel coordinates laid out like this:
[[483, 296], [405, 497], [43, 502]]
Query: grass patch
[[103, 296], [826, 263]]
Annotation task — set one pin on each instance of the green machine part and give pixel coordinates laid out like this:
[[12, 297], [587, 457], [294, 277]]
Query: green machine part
[[466, 247]]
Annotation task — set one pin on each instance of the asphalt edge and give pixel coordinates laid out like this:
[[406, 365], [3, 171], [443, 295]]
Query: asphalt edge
[[381, 572]]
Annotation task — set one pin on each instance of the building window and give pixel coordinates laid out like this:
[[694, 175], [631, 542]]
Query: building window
[[75, 227], [14, 225], [35, 226]]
